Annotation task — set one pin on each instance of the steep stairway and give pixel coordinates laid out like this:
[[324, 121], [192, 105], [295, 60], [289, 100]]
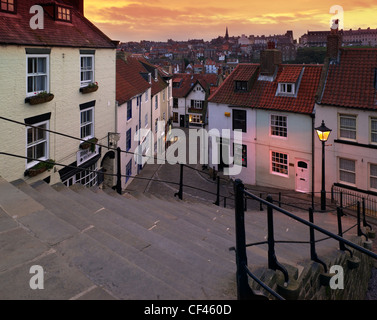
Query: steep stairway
[[95, 245]]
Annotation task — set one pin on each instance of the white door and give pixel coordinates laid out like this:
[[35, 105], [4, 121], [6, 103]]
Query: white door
[[302, 176]]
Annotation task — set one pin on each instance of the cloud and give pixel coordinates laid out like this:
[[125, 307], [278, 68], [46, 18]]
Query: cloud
[[163, 19]]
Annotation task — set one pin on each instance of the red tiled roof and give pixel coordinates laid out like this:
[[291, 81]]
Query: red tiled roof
[[15, 29], [245, 73], [188, 80], [290, 74], [263, 93], [158, 85], [351, 82], [129, 81]]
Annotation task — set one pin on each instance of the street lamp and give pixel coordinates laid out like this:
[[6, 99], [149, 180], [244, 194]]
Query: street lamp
[[323, 134]]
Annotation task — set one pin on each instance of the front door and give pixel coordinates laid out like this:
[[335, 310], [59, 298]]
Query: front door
[[223, 154], [302, 176], [181, 120]]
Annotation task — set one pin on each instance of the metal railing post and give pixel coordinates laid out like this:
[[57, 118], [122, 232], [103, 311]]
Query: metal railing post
[[119, 173], [313, 253], [359, 231], [272, 260], [243, 289], [217, 202], [365, 223], [180, 192], [339, 213]]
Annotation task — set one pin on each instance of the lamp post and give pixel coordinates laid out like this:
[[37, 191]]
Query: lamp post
[[323, 134]]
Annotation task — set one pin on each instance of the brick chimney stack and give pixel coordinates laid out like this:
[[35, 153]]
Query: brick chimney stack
[[269, 59], [77, 4], [334, 42]]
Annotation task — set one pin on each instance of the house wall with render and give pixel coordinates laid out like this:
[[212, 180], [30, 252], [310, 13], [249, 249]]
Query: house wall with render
[[64, 83]]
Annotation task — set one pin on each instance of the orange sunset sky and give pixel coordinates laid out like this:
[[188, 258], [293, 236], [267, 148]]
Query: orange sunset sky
[[160, 20]]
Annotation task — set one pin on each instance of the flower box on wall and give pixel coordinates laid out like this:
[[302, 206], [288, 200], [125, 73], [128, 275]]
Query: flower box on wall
[[91, 143], [40, 168], [90, 88], [39, 98]]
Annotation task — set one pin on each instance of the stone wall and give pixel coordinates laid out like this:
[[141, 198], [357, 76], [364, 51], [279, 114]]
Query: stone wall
[[309, 282]]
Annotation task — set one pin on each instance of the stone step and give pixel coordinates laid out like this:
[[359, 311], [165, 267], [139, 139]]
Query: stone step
[[16, 203], [63, 212], [60, 280], [172, 255], [176, 230], [111, 271]]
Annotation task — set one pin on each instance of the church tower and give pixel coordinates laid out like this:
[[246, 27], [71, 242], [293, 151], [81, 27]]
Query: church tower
[[226, 34]]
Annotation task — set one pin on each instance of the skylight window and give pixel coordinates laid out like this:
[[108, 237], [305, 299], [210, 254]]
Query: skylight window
[[64, 14], [7, 5]]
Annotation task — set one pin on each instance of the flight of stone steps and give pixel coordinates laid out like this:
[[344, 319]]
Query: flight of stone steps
[[94, 244]]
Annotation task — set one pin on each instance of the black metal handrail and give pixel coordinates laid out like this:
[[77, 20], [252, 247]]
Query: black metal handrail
[[243, 289]]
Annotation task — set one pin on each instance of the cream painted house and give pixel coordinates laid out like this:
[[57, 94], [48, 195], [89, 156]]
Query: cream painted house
[[66, 58]]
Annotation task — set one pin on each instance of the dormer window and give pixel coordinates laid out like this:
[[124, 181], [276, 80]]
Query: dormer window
[[8, 6], [64, 14], [287, 88], [241, 86]]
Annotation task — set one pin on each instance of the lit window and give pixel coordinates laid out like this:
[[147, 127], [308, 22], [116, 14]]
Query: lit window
[[7, 5], [37, 74], [87, 123], [279, 163], [373, 176], [347, 171], [87, 69], [37, 143], [347, 127], [64, 14], [278, 126], [195, 118]]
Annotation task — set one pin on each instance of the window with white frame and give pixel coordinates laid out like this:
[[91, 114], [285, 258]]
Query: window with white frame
[[279, 163], [87, 123], [87, 177], [347, 126], [37, 144], [287, 88], [347, 170], [37, 74], [197, 104], [373, 130], [156, 102], [87, 69], [278, 125], [146, 96], [373, 176]]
